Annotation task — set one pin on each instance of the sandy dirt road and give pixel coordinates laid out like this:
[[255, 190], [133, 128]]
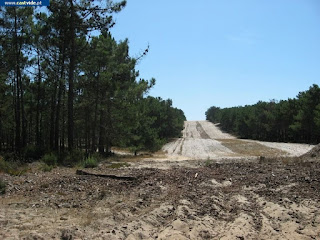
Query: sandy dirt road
[[204, 141]]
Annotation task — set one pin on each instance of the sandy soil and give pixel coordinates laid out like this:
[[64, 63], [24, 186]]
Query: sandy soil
[[226, 192], [235, 200], [198, 142], [291, 149], [204, 140]]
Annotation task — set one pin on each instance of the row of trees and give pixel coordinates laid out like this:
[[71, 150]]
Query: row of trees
[[62, 88], [292, 120]]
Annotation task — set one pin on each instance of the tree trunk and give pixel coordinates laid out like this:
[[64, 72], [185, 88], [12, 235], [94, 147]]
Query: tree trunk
[[62, 144], [17, 89], [71, 79], [38, 141], [61, 86], [94, 125], [23, 114], [52, 118], [102, 132]]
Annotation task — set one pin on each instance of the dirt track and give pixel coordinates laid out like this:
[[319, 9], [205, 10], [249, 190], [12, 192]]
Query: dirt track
[[204, 140], [234, 196]]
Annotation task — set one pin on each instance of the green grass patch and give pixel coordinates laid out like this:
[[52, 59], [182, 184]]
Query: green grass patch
[[118, 165]]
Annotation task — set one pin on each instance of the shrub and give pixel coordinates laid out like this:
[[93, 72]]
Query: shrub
[[208, 162], [74, 157], [90, 162], [4, 166], [11, 157], [3, 186], [96, 156], [14, 168], [50, 159], [46, 168], [32, 152]]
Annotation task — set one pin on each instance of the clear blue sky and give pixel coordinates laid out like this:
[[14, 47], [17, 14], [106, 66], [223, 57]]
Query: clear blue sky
[[224, 52]]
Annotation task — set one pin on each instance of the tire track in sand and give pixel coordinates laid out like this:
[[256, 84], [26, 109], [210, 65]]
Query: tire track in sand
[[202, 132], [179, 146], [197, 144], [203, 140]]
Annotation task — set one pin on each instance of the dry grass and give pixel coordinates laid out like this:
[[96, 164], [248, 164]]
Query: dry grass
[[125, 155], [250, 148]]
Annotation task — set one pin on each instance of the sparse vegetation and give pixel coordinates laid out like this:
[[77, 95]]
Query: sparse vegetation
[[208, 162], [90, 162], [50, 159], [46, 168], [4, 166], [14, 168], [74, 157], [3, 186], [32, 153], [118, 165]]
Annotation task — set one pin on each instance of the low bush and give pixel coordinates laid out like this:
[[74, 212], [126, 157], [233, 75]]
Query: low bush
[[50, 159], [73, 158], [14, 168], [32, 153], [4, 166], [90, 162], [46, 168], [3, 186], [96, 156], [11, 157]]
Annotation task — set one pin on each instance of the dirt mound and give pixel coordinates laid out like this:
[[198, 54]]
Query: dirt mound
[[313, 153]]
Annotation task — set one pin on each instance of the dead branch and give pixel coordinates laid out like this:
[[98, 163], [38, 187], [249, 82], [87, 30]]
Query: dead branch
[[81, 172]]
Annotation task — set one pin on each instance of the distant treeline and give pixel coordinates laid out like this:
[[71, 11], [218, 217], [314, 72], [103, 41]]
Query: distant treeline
[[61, 88], [292, 120]]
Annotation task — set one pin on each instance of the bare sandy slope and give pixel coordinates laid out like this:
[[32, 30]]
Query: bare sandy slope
[[204, 140], [198, 142], [215, 201], [292, 149]]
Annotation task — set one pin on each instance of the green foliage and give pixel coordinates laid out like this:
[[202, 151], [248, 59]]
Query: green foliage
[[62, 88], [50, 159], [90, 162], [295, 120], [14, 168], [73, 158], [11, 157], [208, 163], [3, 186], [32, 153], [118, 165], [156, 122], [4, 165], [46, 168]]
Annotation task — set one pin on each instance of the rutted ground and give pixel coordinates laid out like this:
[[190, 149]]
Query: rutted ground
[[232, 196], [213, 201], [204, 140], [198, 142]]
